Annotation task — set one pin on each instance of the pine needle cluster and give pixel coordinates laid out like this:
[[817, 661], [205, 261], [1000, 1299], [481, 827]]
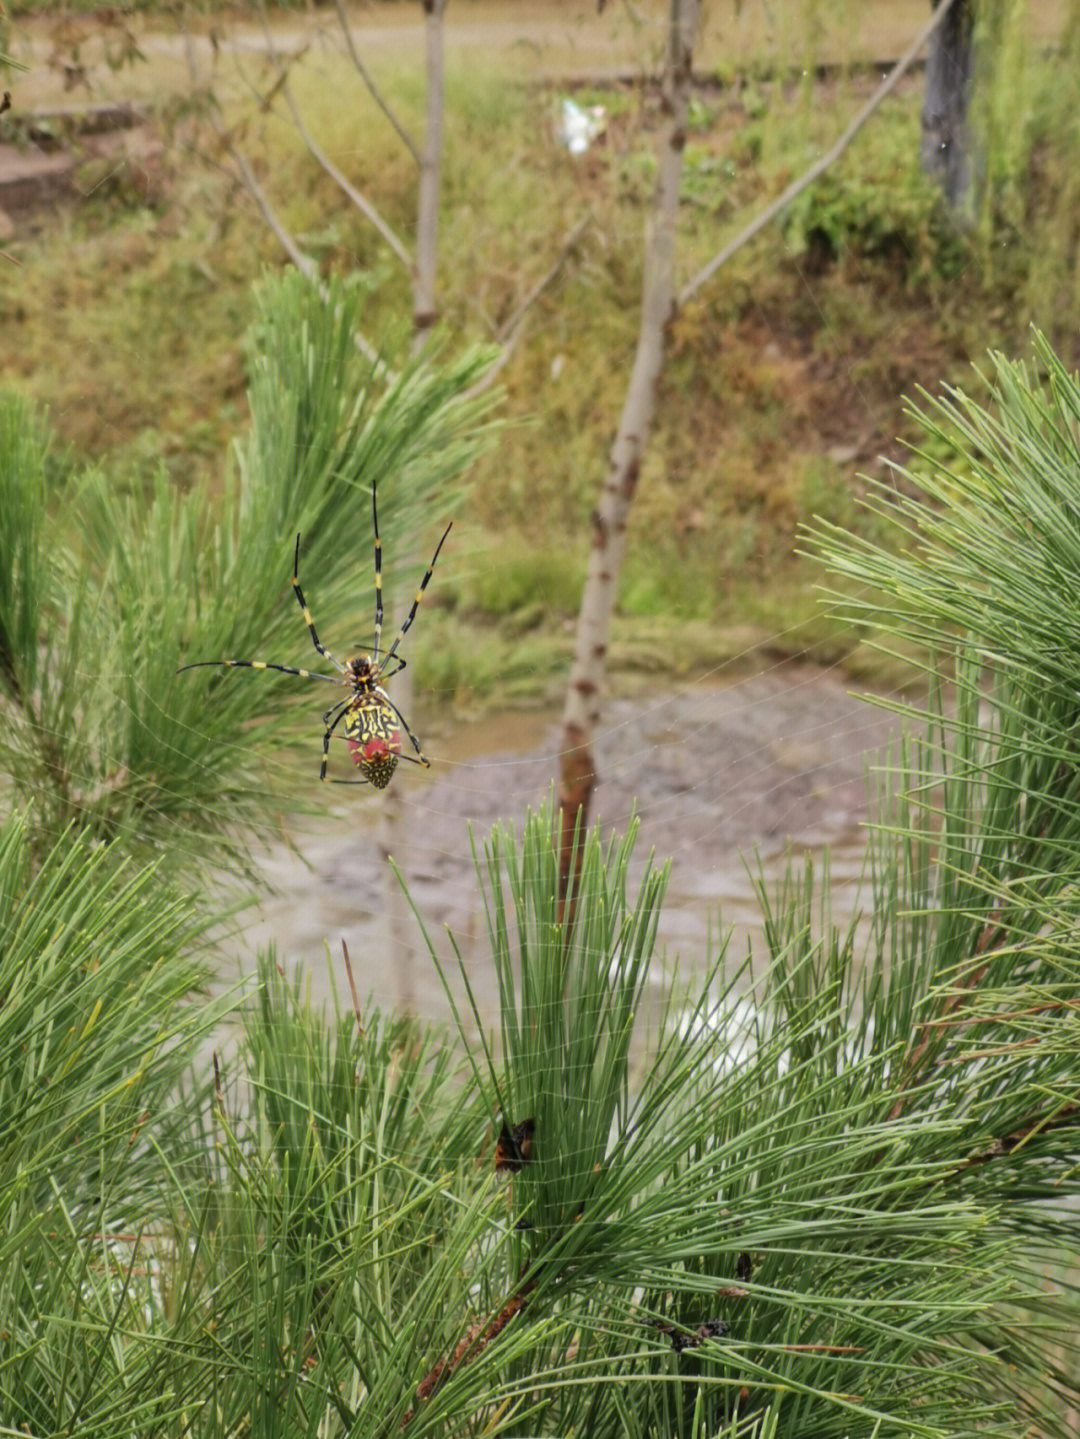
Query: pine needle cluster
[[823, 1189]]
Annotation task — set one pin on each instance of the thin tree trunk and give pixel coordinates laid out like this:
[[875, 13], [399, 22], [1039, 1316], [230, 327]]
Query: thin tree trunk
[[581, 715], [396, 839], [945, 149], [427, 209]]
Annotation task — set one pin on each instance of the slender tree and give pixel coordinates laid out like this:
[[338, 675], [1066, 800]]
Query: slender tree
[[584, 692], [581, 714], [425, 301], [396, 839]]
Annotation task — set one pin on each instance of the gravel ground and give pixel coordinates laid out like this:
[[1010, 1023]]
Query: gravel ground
[[775, 764]]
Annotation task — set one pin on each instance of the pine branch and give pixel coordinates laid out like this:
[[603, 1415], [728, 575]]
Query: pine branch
[[476, 1340]]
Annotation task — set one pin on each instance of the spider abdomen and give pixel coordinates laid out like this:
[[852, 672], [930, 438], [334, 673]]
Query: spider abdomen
[[373, 735]]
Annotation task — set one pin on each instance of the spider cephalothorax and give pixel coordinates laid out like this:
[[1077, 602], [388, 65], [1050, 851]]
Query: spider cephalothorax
[[372, 723]]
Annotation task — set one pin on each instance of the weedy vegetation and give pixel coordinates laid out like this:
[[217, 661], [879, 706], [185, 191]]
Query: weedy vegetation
[[124, 312]]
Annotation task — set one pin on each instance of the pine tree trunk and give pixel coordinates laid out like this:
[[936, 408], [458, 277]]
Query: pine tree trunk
[[581, 715]]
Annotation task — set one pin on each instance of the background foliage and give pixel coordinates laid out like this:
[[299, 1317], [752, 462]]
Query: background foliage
[[125, 310]]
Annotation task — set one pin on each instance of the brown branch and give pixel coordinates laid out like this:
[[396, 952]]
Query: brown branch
[[343, 183], [916, 1056], [705, 274], [352, 988], [219, 1093], [512, 330], [577, 781], [9, 673], [246, 175], [507, 329], [307, 266], [303, 262], [1005, 1014], [477, 1339], [284, 63], [998, 1049], [362, 71], [1009, 1143]]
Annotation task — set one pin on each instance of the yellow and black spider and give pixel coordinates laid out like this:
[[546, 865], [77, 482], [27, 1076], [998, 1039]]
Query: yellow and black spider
[[371, 716]]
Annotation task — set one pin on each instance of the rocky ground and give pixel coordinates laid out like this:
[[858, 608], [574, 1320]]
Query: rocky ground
[[774, 765]]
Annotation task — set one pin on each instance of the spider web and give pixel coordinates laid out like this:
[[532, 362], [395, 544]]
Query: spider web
[[728, 777], [736, 773], [747, 766]]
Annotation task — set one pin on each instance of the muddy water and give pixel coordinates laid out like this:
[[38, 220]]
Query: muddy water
[[774, 765]]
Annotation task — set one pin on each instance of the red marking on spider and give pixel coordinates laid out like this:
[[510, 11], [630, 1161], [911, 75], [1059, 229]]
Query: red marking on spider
[[376, 748]]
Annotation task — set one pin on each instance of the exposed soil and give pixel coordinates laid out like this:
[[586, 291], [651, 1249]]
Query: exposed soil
[[775, 764]]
